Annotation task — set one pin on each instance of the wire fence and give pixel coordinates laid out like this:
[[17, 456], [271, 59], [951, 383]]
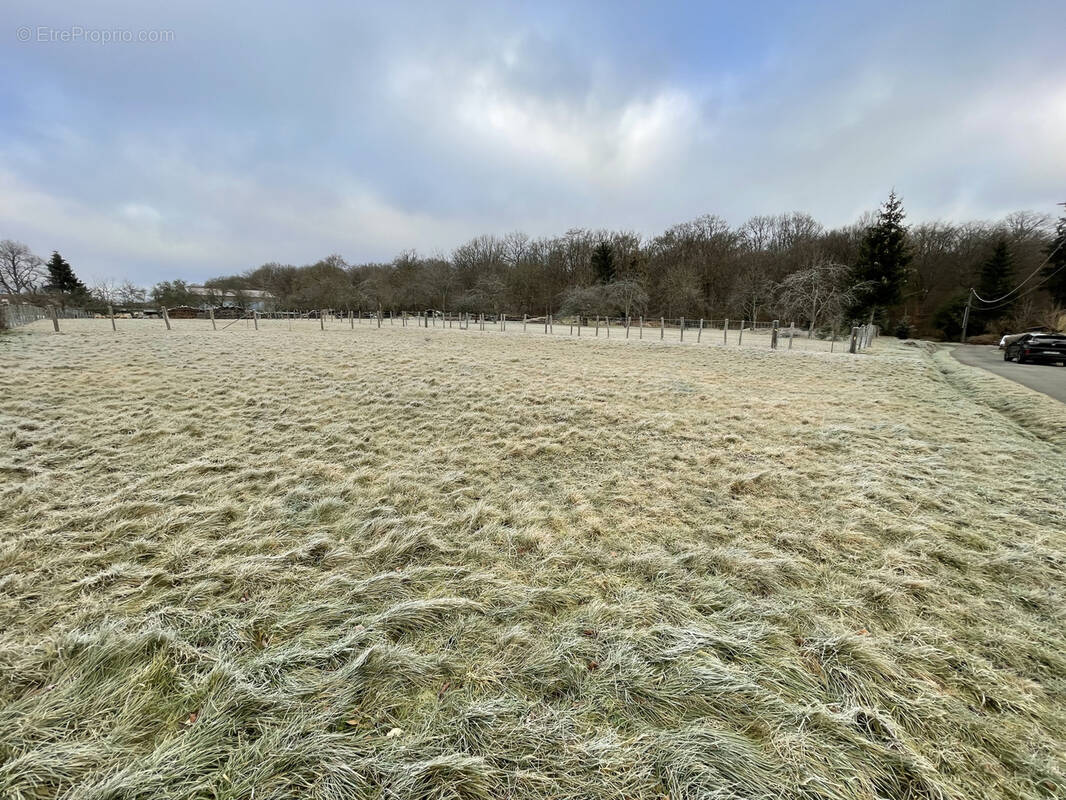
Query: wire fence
[[14, 315], [770, 334]]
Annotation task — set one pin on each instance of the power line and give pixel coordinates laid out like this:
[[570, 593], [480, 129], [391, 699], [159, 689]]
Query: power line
[[1032, 275], [1028, 291], [973, 293]]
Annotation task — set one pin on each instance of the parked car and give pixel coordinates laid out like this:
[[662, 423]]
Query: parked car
[[1038, 347], [1006, 337]]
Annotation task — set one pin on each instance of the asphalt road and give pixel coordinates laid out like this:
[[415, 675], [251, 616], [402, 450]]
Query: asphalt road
[[1046, 378]]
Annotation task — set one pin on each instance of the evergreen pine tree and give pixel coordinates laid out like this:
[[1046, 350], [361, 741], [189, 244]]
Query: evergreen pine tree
[[881, 270], [61, 277], [1054, 271], [995, 279], [603, 262]]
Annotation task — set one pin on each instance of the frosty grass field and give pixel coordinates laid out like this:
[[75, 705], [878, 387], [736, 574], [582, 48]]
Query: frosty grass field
[[403, 563]]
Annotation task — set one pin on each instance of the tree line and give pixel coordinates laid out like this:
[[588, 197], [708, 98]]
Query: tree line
[[910, 279]]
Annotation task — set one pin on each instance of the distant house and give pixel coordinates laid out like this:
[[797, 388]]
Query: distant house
[[247, 299]]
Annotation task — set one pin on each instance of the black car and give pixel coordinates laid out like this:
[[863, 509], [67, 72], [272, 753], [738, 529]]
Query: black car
[[1046, 347]]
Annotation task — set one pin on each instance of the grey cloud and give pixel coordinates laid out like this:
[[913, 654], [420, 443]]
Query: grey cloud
[[269, 132]]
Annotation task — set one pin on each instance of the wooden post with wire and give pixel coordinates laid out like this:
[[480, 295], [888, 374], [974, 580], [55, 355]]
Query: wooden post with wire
[[966, 316]]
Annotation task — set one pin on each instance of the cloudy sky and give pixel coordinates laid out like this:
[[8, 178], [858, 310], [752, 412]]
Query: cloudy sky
[[266, 131]]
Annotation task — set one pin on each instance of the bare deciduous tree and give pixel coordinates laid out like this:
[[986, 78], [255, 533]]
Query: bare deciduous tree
[[105, 290], [818, 293], [20, 270], [130, 294]]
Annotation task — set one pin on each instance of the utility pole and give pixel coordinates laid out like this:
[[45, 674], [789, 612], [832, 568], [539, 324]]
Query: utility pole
[[966, 316]]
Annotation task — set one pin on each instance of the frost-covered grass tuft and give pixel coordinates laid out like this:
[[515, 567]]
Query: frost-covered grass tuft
[[402, 563]]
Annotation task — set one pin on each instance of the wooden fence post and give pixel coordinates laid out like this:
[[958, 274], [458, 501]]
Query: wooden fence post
[[111, 313], [551, 323], [214, 325], [629, 323], [699, 332], [791, 333], [662, 328], [579, 325], [682, 329], [55, 318], [725, 332], [166, 319], [640, 331], [740, 334], [255, 319], [854, 340], [773, 335]]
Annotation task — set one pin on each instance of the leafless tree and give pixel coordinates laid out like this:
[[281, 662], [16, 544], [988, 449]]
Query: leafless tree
[[680, 289], [818, 293], [628, 297], [106, 291], [130, 294], [440, 280], [20, 270]]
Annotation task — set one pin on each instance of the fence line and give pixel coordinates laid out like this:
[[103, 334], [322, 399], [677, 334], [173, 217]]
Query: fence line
[[771, 334], [14, 315]]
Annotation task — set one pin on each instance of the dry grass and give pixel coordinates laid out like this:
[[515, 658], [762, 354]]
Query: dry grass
[[433, 564]]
